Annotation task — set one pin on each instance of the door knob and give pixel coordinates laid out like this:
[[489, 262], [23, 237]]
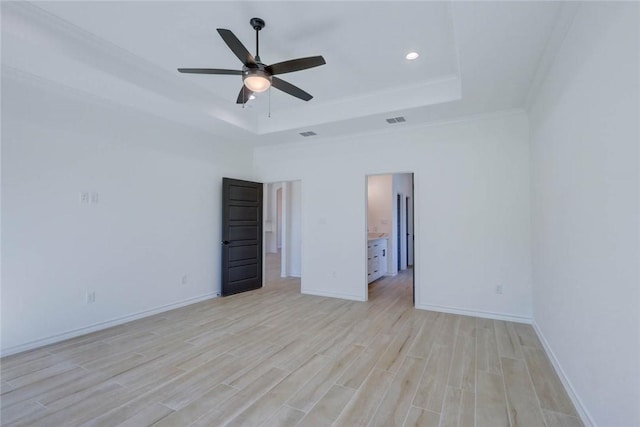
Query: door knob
[[226, 242]]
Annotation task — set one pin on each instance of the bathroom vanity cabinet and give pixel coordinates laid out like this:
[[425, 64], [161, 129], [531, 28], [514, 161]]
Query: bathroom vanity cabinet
[[377, 258]]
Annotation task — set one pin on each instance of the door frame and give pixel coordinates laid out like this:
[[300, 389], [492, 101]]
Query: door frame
[[409, 231]]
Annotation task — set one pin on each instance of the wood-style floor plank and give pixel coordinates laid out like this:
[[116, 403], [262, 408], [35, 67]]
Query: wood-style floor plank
[[278, 395], [487, 357], [274, 357], [463, 364], [556, 419], [286, 416], [491, 406], [507, 339], [418, 417], [147, 416], [361, 408], [396, 402], [201, 405], [450, 416], [524, 409], [549, 389], [467, 410], [317, 386], [526, 335], [325, 412], [432, 388]]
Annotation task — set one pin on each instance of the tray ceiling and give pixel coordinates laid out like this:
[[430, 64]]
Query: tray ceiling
[[475, 58]]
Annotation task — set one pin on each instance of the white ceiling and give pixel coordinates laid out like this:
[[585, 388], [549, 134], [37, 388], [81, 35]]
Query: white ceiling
[[475, 58]]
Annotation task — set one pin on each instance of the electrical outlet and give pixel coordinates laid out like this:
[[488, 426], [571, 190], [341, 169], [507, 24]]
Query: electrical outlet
[[84, 197], [185, 279], [499, 290]]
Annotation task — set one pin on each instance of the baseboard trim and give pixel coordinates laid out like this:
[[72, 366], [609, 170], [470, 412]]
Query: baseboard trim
[[321, 293], [584, 414], [476, 313], [102, 325]]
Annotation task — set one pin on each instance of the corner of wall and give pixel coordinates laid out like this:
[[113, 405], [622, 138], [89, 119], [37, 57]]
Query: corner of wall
[[585, 416]]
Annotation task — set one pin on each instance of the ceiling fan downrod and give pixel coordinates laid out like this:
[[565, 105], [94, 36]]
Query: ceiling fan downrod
[[257, 24]]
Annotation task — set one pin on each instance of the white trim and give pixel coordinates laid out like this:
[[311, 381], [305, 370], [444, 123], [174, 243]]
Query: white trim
[[318, 140], [476, 313], [584, 414], [322, 293], [103, 325]]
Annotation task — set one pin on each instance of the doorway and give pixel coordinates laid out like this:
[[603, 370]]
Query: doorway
[[390, 242], [282, 232]]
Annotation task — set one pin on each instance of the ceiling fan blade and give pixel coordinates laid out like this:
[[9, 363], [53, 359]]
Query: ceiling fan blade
[[210, 71], [295, 65], [244, 95], [290, 89], [236, 47]]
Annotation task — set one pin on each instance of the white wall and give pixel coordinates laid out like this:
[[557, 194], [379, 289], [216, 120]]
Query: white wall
[[584, 127], [157, 217], [279, 192], [272, 238], [472, 210], [379, 212]]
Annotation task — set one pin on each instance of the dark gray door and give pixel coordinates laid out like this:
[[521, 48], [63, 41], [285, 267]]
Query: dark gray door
[[241, 236]]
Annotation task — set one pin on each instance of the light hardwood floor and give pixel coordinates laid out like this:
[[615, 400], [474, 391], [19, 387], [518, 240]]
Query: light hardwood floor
[[274, 357]]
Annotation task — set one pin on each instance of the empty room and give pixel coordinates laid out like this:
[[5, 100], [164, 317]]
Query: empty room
[[314, 213]]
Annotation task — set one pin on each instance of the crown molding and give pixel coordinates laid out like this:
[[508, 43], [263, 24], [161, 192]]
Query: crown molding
[[564, 21]]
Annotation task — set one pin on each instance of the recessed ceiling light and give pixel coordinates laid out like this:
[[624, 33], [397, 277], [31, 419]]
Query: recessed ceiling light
[[412, 55]]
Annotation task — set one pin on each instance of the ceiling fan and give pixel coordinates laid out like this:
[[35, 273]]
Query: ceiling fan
[[256, 76]]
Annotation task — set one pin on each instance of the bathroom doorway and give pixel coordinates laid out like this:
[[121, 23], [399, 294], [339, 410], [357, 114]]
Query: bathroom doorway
[[390, 231]]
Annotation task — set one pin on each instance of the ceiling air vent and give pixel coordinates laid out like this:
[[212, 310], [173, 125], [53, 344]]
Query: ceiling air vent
[[396, 120], [308, 133]]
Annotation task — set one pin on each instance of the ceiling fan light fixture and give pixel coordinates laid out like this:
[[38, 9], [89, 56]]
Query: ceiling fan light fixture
[[257, 81]]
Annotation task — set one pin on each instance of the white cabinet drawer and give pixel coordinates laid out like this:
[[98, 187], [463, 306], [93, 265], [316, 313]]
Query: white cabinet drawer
[[377, 259]]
